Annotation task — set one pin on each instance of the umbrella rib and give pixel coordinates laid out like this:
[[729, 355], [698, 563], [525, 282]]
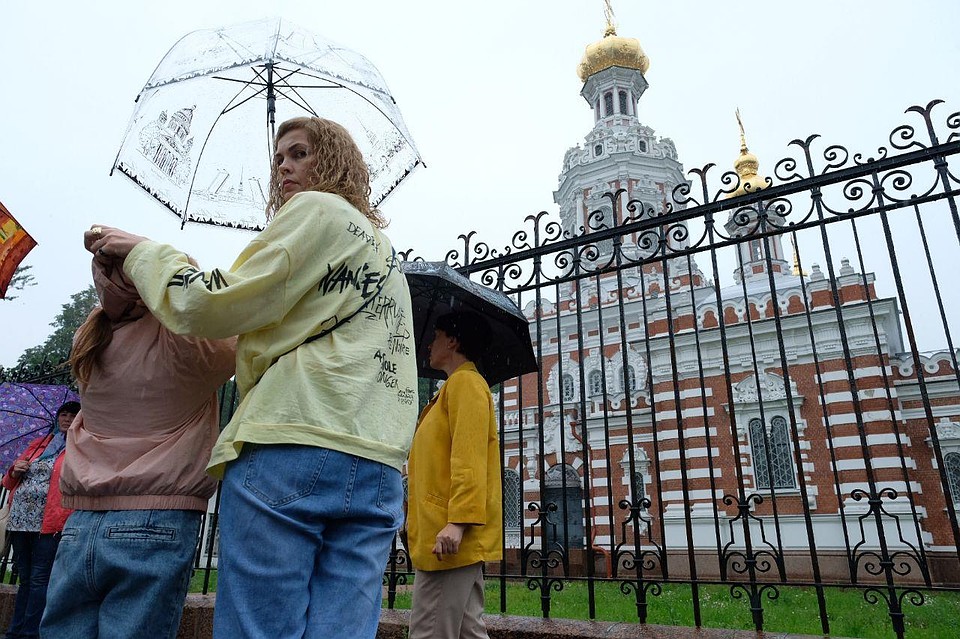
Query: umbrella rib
[[10, 411], [37, 399], [302, 103], [368, 101], [228, 109], [22, 435], [244, 82], [264, 85], [229, 42], [248, 83], [253, 83], [320, 77]]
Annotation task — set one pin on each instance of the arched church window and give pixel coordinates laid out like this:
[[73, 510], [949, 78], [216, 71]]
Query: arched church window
[[567, 384], [512, 506], [756, 250], [772, 461], [952, 463], [608, 103], [623, 103], [642, 144], [596, 383], [597, 109], [598, 150], [631, 379]]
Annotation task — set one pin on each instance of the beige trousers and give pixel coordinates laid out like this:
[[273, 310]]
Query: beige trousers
[[447, 604]]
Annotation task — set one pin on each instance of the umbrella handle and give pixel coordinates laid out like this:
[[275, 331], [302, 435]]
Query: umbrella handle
[[271, 105]]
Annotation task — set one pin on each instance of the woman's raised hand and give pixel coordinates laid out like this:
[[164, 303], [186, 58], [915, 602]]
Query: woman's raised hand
[[110, 243]]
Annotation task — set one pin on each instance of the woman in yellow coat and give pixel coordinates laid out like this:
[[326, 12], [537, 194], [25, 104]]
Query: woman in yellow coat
[[455, 516]]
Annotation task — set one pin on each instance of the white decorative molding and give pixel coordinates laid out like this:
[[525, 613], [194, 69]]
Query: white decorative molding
[[904, 364], [530, 456], [554, 381], [641, 465], [948, 430], [770, 388], [556, 431]]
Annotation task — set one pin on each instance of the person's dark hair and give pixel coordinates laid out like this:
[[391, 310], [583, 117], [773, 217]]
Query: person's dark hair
[[469, 329], [69, 407]]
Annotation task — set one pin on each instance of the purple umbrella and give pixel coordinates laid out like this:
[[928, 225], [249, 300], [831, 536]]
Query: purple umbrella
[[27, 411]]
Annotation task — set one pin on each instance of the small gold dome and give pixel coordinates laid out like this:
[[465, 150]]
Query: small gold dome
[[612, 51], [746, 165]]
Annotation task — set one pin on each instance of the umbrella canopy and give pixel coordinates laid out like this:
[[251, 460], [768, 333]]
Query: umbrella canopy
[[26, 412], [200, 139], [437, 289]]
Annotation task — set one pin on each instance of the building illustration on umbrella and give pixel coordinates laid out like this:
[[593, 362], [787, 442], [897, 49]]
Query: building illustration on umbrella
[[247, 191], [166, 142]]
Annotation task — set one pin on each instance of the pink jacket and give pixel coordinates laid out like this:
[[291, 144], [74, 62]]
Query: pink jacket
[[150, 413], [54, 514]]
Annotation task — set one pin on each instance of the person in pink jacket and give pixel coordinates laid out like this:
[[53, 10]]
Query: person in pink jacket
[[36, 520], [134, 470]]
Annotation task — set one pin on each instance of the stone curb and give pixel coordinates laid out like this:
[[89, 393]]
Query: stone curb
[[197, 623]]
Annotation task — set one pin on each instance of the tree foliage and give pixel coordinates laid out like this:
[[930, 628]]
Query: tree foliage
[[21, 279], [56, 348]]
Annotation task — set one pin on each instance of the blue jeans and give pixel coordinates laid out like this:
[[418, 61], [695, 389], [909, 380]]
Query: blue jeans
[[304, 538], [33, 554], [121, 574]]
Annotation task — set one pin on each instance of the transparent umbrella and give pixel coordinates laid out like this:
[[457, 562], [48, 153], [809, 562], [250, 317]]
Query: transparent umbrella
[[200, 137]]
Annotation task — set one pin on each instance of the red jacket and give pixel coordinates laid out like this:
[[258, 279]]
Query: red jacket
[[54, 514]]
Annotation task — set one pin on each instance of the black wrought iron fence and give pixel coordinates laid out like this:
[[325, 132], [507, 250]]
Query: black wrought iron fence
[[747, 383]]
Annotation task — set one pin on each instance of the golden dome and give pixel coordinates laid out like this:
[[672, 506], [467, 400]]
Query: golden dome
[[746, 166], [612, 51]]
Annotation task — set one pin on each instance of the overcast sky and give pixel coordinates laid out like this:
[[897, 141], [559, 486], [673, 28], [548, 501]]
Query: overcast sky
[[489, 92]]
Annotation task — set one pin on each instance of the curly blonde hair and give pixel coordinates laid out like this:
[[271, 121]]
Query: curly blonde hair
[[339, 167]]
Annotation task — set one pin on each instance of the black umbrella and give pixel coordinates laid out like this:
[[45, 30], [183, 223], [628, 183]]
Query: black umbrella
[[437, 289]]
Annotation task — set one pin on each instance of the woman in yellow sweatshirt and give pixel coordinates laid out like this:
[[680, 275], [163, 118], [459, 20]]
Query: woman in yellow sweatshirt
[[326, 370], [454, 512]]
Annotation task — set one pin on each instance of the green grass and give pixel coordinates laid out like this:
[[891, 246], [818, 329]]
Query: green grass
[[196, 582], [794, 611]]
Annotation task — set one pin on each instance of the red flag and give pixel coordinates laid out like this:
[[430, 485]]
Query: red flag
[[15, 243]]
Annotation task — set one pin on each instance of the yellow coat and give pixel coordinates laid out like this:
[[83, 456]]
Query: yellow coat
[[454, 474]]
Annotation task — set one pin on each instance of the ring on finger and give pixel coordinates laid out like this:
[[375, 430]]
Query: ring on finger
[[97, 230]]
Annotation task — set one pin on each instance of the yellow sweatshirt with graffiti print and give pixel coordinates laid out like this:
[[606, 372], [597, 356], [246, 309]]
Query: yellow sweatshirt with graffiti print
[[354, 389]]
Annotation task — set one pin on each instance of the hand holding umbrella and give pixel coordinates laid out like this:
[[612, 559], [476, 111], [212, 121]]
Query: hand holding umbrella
[[110, 243]]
